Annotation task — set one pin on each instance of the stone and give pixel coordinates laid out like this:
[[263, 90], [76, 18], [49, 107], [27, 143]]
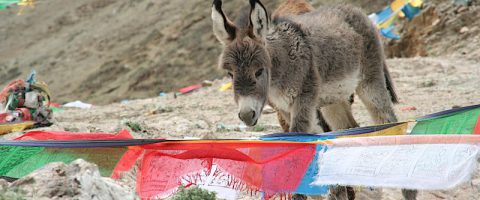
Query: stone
[[464, 29], [462, 2], [77, 180]]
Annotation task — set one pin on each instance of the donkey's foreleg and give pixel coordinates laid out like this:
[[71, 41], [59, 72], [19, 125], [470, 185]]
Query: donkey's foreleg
[[303, 113], [283, 119]]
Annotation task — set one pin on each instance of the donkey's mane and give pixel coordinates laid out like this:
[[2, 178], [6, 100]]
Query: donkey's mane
[[288, 23]]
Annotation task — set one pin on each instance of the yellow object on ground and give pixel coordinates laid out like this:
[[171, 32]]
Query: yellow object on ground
[[8, 128], [25, 3], [225, 87]]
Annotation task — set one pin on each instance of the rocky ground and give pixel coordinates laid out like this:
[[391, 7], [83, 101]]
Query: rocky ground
[[77, 180], [429, 84]]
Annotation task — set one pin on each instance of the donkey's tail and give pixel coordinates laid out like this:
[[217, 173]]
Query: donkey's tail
[[389, 82]]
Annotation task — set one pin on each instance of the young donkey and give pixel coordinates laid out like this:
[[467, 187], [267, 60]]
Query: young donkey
[[306, 62]]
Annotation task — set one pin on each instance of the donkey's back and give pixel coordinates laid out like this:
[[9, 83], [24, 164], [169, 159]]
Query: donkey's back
[[355, 27], [344, 44], [346, 24]]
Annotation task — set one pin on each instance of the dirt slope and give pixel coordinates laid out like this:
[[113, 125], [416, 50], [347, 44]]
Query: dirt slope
[[442, 29], [104, 51]]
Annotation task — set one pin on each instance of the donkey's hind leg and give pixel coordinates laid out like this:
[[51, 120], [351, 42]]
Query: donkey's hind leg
[[283, 118], [375, 96], [339, 116]]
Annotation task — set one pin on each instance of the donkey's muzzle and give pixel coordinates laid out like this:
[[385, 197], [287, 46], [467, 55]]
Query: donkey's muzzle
[[248, 117]]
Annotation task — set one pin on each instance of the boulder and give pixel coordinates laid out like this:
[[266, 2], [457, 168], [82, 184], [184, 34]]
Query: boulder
[[77, 180]]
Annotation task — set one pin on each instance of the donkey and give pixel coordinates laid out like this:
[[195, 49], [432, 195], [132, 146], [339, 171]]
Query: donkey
[[292, 7], [315, 60]]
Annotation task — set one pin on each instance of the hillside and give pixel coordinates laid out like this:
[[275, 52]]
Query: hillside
[[103, 51]]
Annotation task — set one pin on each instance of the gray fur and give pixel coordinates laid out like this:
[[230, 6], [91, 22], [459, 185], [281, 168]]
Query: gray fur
[[311, 61], [327, 55]]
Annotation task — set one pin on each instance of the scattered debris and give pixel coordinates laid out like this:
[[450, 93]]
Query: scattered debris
[[134, 126], [207, 83], [259, 128], [55, 107], [24, 104], [225, 128], [14, 127], [225, 87], [189, 89], [408, 108], [384, 19], [161, 109], [22, 3], [78, 104], [464, 29]]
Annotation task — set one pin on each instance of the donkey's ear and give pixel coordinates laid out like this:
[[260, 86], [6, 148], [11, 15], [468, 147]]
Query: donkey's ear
[[258, 19], [222, 27]]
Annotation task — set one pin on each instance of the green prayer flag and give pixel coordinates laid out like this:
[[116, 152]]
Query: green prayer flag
[[462, 122], [17, 162]]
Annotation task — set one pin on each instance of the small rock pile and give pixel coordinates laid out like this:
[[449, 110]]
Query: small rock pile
[[77, 180]]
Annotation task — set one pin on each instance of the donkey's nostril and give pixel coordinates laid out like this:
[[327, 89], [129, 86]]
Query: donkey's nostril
[[247, 116], [250, 115]]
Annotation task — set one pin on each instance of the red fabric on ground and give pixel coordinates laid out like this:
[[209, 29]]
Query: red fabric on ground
[[190, 88], [272, 168], [63, 135]]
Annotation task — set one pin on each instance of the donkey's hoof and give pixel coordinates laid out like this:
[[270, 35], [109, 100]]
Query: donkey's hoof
[[409, 194], [341, 193], [299, 197]]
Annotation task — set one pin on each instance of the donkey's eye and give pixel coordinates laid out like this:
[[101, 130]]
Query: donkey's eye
[[259, 73], [230, 74]]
